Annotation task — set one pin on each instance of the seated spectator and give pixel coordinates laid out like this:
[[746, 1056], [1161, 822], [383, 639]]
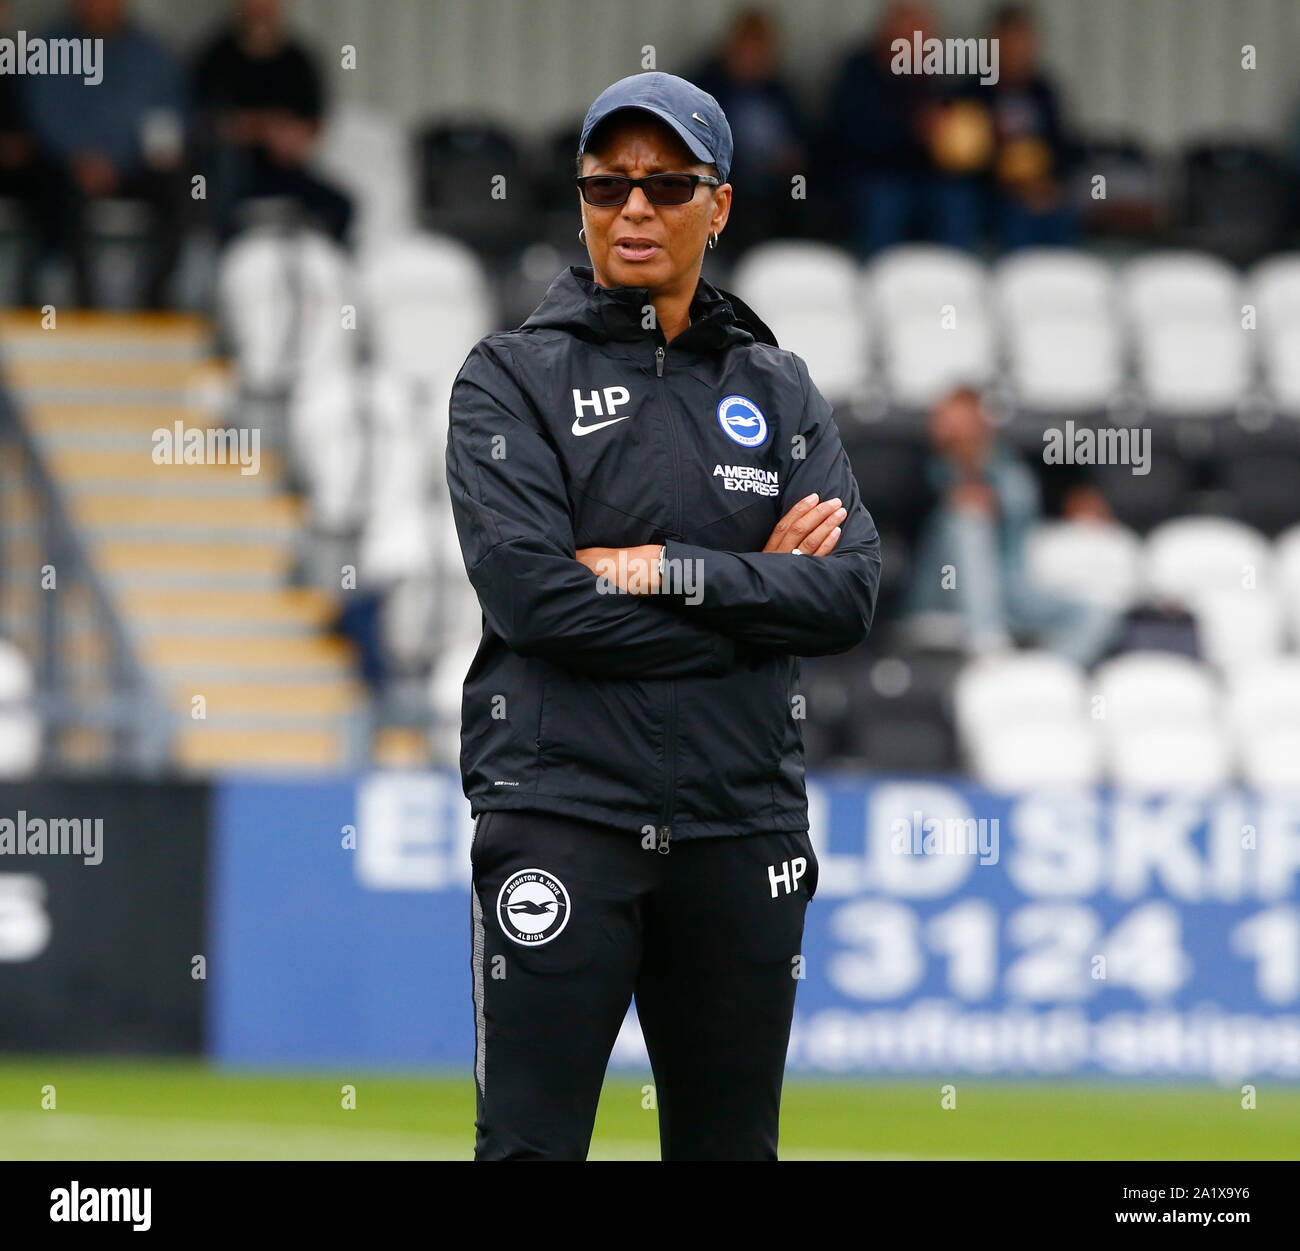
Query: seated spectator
[[23, 174], [260, 103], [1032, 153], [771, 141], [120, 138], [970, 556], [910, 157]]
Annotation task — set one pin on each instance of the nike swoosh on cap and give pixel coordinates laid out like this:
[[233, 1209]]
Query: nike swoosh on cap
[[701, 120], [580, 430]]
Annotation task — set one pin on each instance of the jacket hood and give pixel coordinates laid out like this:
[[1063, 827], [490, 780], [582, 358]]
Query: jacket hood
[[575, 302]]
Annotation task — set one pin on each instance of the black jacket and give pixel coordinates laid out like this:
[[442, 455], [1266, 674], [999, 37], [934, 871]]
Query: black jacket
[[582, 429]]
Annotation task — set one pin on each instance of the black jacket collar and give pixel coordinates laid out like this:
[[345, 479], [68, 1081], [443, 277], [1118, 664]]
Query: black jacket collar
[[577, 303]]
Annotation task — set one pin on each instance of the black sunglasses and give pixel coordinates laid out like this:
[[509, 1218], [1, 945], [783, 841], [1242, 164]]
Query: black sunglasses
[[609, 190]]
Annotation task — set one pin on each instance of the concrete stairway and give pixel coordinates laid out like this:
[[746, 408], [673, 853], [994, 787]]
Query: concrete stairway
[[196, 557]]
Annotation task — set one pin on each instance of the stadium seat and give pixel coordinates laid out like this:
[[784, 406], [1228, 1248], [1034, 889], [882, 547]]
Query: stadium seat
[[1063, 363], [1194, 368], [367, 152], [1189, 555], [1234, 197], [923, 358], [20, 728], [1273, 288], [327, 445], [446, 690], [1270, 758], [1140, 690], [1036, 283], [1163, 287], [1016, 689], [280, 297], [1286, 551], [1265, 695], [428, 302], [1280, 362], [1137, 191], [1021, 757], [809, 294], [1094, 561], [923, 278], [460, 166], [1191, 757], [1237, 628]]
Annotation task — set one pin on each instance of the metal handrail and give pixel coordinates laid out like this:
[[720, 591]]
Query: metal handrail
[[140, 719]]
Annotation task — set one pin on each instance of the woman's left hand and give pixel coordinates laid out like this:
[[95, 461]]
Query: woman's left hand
[[632, 569]]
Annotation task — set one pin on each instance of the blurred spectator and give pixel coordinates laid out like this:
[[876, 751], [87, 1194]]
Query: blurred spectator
[[121, 138], [23, 173], [260, 102], [771, 138], [970, 557], [911, 156], [1032, 153]]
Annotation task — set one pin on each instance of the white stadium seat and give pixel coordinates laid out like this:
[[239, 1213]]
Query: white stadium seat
[[1189, 757], [924, 278], [1286, 556], [428, 302], [1280, 359], [445, 694], [1265, 695], [1188, 555], [1237, 628], [1017, 688], [280, 298], [1094, 561], [20, 726], [1194, 368], [1273, 287], [1142, 690], [1064, 362], [810, 295], [1270, 758], [328, 446], [1036, 283], [1020, 757], [367, 153], [1164, 287], [924, 358]]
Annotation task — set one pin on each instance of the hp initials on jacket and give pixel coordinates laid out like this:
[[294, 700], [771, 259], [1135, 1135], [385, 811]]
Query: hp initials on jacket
[[614, 398]]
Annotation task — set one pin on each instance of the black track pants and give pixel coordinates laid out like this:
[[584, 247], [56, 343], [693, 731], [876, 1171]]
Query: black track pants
[[571, 919]]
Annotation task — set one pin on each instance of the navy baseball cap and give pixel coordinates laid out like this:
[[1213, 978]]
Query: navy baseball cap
[[694, 114]]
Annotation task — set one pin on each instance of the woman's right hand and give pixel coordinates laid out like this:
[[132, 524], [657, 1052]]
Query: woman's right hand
[[812, 525]]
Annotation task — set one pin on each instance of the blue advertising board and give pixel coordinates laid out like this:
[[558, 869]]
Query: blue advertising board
[[954, 930]]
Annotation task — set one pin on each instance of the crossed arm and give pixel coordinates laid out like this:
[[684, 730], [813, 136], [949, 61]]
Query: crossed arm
[[536, 588]]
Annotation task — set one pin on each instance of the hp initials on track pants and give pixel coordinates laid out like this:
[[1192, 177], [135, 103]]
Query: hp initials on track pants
[[571, 920]]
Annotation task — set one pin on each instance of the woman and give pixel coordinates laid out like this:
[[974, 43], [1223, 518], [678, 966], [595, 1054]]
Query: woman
[[658, 518]]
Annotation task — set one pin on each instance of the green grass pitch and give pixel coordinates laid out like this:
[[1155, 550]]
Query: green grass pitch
[[186, 1110]]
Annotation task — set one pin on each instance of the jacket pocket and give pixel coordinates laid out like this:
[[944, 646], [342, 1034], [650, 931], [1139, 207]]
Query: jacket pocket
[[601, 741], [732, 732]]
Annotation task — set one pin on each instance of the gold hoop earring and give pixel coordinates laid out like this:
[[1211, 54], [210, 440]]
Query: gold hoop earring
[[713, 239], [582, 235]]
